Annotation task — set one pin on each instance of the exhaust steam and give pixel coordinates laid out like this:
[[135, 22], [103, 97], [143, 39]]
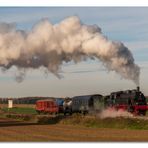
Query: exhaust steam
[[49, 45]]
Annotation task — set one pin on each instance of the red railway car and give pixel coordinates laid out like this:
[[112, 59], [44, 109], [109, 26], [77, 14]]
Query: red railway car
[[47, 106]]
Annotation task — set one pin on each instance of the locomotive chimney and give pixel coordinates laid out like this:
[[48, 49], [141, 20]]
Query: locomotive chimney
[[138, 88]]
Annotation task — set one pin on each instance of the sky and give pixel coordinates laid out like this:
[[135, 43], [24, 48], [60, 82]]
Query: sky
[[128, 25]]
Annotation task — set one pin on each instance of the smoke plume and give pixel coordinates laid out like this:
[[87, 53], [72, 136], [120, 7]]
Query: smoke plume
[[48, 46]]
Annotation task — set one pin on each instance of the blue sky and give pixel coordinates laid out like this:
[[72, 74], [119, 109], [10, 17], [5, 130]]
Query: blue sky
[[126, 24]]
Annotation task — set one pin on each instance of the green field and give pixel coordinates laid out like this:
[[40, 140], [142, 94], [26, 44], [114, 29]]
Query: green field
[[20, 110]]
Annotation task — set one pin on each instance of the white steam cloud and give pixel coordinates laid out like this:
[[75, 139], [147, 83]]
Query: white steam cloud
[[111, 113], [48, 45]]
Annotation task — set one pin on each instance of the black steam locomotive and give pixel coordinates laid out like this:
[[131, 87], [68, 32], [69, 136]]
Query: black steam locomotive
[[132, 101]]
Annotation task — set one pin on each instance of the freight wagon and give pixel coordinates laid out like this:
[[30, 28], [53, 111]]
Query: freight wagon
[[59, 102], [47, 106]]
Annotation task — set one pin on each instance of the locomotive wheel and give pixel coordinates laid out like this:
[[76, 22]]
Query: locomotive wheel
[[56, 113], [39, 112], [84, 112], [130, 109], [45, 113], [143, 113], [64, 113]]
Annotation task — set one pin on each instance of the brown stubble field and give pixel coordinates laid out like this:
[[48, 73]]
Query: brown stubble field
[[17, 131]]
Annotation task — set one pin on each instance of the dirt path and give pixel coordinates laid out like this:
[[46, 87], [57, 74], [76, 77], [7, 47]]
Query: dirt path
[[11, 130]]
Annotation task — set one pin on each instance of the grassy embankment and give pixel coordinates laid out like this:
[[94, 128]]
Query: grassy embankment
[[96, 122], [24, 112]]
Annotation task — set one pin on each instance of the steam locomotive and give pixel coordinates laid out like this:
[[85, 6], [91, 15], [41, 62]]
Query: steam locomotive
[[130, 100]]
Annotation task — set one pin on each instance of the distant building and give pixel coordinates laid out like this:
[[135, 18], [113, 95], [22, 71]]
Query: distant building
[[10, 103]]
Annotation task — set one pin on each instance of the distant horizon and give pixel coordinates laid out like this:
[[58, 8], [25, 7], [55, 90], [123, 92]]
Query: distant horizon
[[63, 96], [125, 24]]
